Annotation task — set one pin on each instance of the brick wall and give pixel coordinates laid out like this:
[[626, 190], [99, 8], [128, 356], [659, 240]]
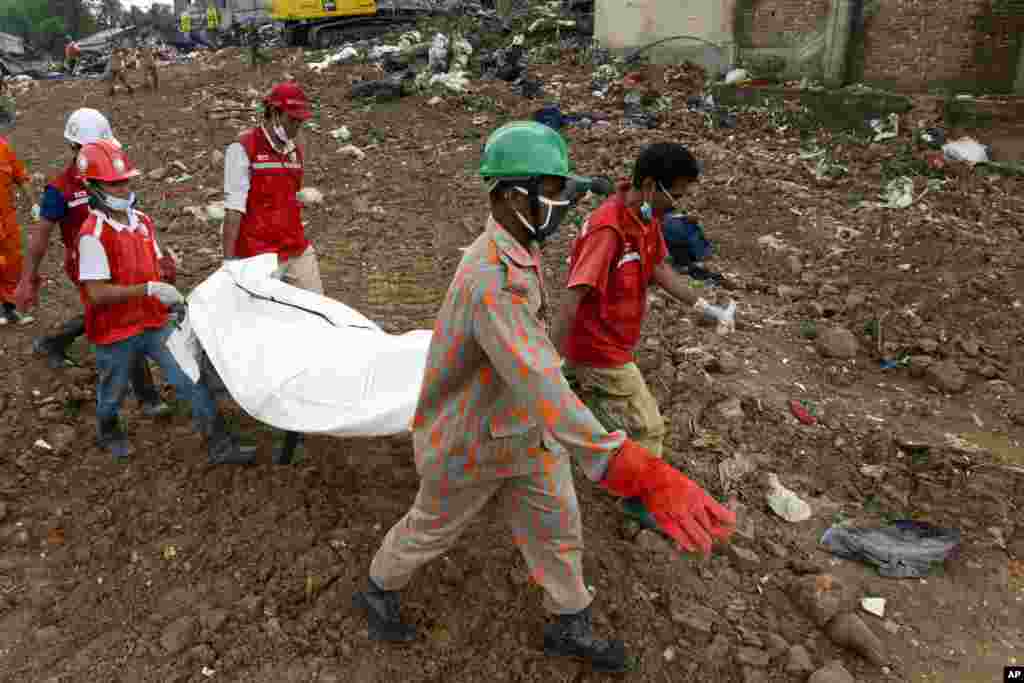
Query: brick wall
[[776, 23], [957, 44]]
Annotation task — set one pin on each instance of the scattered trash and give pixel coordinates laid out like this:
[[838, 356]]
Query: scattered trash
[[309, 196], [803, 411], [342, 134], [874, 606], [966, 149], [42, 444], [438, 54], [215, 212], [208, 672], [904, 549], [381, 89], [737, 76], [886, 129], [785, 503], [550, 116], [933, 137], [873, 471], [455, 81], [169, 552], [899, 193], [352, 151]]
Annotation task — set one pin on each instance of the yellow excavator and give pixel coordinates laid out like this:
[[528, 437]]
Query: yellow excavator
[[324, 23]]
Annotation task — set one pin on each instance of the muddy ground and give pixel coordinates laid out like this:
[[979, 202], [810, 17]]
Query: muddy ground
[[167, 570]]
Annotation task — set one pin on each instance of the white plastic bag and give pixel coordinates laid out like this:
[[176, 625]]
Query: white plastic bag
[[966, 149], [785, 503], [737, 76]]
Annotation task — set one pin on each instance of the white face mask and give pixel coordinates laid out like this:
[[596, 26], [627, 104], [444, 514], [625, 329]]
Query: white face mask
[[281, 134], [119, 203]]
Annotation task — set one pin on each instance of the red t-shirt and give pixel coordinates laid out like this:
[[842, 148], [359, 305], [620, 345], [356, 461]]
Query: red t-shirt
[[615, 256]]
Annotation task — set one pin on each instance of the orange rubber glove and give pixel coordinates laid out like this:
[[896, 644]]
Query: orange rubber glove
[[682, 509]]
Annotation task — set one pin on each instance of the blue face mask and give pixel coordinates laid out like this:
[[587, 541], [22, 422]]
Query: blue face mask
[[647, 212], [119, 203]]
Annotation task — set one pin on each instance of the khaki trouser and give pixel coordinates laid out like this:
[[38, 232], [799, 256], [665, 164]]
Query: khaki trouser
[[619, 399], [303, 271], [541, 510]]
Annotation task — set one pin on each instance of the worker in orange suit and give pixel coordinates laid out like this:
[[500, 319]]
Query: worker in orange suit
[[12, 173]]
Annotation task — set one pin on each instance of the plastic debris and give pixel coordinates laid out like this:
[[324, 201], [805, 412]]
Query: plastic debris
[[352, 151], [455, 81], [42, 444], [803, 411], [342, 134], [438, 54], [966, 149], [902, 550], [874, 606], [310, 195], [785, 503], [886, 129], [899, 193], [215, 212], [737, 76]]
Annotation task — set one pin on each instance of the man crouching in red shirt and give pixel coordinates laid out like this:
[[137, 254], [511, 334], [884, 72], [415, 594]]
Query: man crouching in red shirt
[[618, 254], [126, 304]]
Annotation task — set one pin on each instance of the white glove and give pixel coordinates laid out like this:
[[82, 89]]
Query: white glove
[[36, 213], [167, 294]]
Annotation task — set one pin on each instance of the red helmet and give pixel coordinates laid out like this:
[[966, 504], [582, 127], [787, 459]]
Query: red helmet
[[289, 98], [105, 162]]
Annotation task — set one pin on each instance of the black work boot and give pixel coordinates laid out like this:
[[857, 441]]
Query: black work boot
[[145, 390], [224, 448], [285, 452], [55, 347], [382, 613], [571, 635], [113, 440]]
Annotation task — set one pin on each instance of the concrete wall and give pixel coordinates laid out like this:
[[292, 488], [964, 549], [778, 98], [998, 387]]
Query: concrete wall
[[953, 45], [624, 24]]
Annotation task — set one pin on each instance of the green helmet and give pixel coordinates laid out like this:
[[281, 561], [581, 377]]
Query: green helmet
[[525, 149]]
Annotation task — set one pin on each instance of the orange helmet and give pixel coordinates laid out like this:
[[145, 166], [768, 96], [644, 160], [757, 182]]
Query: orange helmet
[[104, 162]]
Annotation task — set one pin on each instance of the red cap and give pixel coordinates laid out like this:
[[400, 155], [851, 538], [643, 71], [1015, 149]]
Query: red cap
[[289, 98]]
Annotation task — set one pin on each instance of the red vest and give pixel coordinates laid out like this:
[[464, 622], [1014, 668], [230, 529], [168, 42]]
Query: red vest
[[607, 327], [273, 216], [70, 185], [133, 261]]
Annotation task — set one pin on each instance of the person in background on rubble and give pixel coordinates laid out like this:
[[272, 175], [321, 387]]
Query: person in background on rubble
[[65, 207], [212, 22], [126, 304], [256, 56], [116, 66], [147, 59], [12, 175], [492, 404], [262, 174], [72, 53], [618, 254]]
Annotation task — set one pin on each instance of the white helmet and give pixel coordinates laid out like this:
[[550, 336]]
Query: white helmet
[[86, 126]]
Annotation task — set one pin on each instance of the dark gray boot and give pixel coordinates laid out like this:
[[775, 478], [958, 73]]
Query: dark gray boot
[[113, 440], [572, 635], [145, 390], [224, 448], [382, 613], [55, 347]]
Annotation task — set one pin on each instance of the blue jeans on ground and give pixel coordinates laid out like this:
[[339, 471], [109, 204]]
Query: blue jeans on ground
[[115, 363]]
